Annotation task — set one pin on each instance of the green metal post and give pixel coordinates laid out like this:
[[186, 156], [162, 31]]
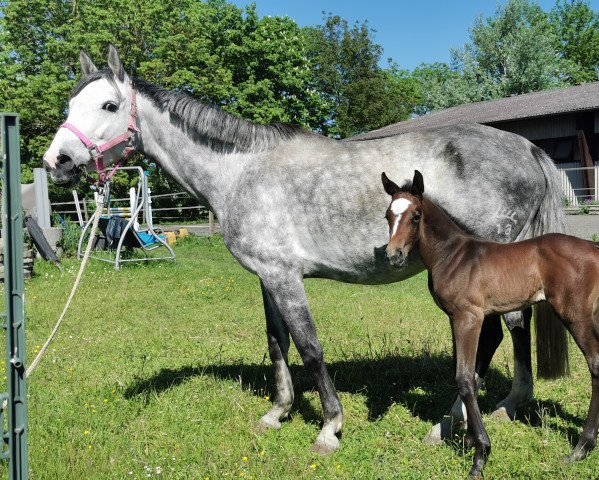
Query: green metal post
[[15, 438]]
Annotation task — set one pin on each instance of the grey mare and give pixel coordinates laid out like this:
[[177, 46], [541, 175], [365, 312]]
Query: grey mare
[[293, 204]]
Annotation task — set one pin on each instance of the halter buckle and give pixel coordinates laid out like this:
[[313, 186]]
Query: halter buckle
[[94, 151]]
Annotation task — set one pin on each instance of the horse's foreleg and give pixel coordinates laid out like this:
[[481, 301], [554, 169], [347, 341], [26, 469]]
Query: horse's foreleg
[[490, 338], [466, 329], [278, 347], [522, 383], [290, 298]]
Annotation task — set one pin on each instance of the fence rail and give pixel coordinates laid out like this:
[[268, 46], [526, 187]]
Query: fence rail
[[161, 207], [580, 185]]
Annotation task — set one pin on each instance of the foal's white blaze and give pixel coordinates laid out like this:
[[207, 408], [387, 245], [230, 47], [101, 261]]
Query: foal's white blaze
[[398, 207]]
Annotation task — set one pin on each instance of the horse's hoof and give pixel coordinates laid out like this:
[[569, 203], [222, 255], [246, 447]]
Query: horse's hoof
[[502, 414], [326, 446], [441, 431], [266, 423], [433, 437]]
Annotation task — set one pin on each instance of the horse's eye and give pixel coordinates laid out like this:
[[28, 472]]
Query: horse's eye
[[111, 107], [416, 217]]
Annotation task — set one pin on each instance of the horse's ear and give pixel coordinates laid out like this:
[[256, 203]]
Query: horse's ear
[[390, 187], [87, 66], [115, 64], [417, 184]]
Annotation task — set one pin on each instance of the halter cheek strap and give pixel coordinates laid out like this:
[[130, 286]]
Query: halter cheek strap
[[97, 152]]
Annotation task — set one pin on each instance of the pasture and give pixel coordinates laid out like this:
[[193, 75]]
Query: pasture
[[162, 371]]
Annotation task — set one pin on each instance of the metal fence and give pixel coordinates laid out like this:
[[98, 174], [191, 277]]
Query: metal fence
[[580, 185], [170, 208]]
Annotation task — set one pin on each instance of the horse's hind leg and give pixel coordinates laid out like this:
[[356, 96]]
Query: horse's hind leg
[[522, 384], [290, 297], [278, 347]]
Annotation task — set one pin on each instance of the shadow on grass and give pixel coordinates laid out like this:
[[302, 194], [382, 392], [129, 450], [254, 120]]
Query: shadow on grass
[[424, 385]]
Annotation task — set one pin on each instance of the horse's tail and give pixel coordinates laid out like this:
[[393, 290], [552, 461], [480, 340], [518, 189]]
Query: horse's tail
[[552, 339]]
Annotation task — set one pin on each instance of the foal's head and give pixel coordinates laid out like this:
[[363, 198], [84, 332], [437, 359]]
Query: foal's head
[[403, 215]]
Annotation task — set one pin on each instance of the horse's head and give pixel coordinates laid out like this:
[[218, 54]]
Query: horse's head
[[101, 125], [403, 215]]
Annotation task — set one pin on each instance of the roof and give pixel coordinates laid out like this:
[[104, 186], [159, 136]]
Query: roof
[[537, 104]]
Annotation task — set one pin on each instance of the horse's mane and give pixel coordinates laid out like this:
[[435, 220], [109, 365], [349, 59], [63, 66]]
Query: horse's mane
[[218, 126], [211, 123]]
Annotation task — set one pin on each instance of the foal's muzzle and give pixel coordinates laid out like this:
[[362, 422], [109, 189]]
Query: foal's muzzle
[[396, 258]]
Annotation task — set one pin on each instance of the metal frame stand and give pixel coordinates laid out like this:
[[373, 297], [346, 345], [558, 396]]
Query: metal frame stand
[[143, 204], [14, 447]]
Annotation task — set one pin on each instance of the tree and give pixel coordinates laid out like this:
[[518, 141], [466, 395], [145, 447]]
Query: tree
[[210, 49], [360, 95], [513, 52], [440, 86], [576, 28]]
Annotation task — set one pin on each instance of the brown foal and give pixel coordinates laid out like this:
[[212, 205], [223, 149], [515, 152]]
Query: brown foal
[[470, 278]]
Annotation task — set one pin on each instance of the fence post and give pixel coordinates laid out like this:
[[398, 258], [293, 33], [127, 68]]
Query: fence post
[[42, 202], [12, 234], [210, 223]]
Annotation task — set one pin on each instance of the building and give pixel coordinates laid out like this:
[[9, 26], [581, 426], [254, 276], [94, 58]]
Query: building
[[563, 122]]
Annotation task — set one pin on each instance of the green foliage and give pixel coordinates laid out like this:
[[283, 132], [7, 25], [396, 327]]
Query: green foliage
[[512, 52], [70, 235], [519, 49], [441, 86], [213, 50], [576, 28], [360, 95]]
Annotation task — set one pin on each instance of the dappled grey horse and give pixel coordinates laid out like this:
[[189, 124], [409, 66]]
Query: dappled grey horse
[[293, 204]]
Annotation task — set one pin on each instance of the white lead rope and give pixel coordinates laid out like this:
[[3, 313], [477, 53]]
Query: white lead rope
[[88, 248]]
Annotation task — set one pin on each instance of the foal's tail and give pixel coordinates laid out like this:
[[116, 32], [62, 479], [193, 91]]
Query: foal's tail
[[552, 339]]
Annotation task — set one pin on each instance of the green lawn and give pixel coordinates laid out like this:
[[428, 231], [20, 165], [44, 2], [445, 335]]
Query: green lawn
[[161, 371]]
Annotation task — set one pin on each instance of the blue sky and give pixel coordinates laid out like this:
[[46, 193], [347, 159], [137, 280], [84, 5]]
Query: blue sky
[[411, 32]]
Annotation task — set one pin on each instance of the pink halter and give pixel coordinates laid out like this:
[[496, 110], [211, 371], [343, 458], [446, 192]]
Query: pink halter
[[97, 152]]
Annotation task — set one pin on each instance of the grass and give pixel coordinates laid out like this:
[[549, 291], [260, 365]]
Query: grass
[[161, 371]]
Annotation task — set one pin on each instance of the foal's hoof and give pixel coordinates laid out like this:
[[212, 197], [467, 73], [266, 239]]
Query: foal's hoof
[[474, 476], [502, 414], [325, 446], [575, 456]]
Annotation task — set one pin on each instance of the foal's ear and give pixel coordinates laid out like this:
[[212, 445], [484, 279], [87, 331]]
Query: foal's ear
[[417, 184], [115, 64], [87, 66], [390, 187]]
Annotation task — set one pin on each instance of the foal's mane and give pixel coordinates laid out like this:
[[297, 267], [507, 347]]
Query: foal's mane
[[223, 130]]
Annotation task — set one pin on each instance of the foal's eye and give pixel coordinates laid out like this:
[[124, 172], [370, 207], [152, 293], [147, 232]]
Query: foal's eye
[[110, 107]]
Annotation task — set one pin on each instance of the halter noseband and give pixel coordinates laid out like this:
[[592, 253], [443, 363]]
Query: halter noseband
[[97, 152]]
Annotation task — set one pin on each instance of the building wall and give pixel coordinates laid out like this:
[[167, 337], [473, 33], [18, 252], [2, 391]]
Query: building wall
[[541, 128]]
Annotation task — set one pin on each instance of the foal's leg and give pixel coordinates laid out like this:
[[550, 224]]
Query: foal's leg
[[489, 340], [586, 332], [278, 347], [522, 384], [588, 438], [466, 327], [290, 297]]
